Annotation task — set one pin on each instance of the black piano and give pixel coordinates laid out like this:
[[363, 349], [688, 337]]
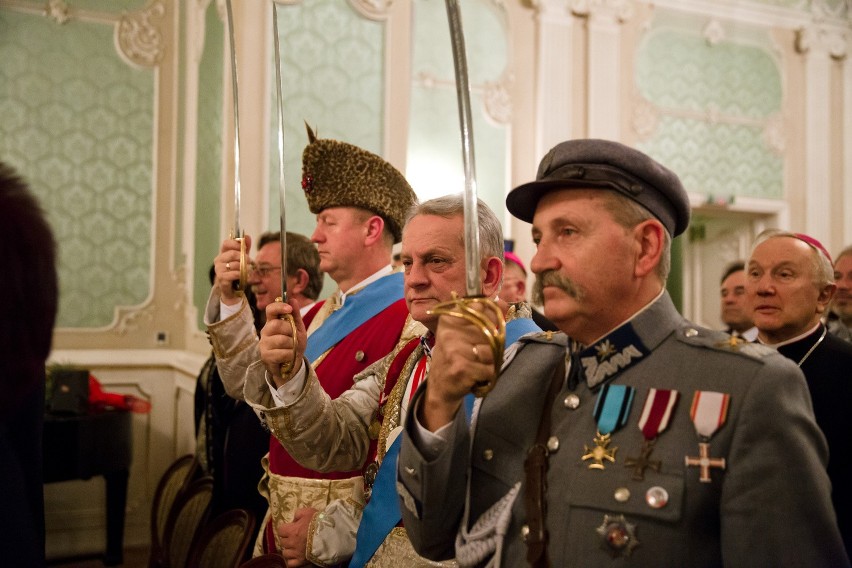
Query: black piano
[[95, 443]]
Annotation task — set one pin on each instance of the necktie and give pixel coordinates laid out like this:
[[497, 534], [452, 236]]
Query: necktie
[[576, 374]]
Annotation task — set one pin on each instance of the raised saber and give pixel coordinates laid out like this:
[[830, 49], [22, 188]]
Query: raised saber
[[471, 209], [286, 368], [237, 231], [495, 334]]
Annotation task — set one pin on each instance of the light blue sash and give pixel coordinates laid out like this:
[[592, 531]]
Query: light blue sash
[[357, 309], [382, 512]]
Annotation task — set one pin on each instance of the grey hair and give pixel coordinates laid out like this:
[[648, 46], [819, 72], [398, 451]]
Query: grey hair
[[490, 230], [628, 214], [823, 269]]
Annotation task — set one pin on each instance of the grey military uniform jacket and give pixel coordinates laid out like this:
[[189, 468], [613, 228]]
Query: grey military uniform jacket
[[770, 506]]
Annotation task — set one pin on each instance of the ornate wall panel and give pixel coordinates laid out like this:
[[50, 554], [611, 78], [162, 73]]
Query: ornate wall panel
[[434, 153], [333, 77], [78, 124], [711, 109]]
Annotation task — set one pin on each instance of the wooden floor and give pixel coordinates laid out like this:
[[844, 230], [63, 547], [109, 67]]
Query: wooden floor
[[133, 558]]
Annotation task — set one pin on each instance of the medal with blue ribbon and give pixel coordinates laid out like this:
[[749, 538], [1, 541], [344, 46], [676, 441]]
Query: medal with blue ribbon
[[611, 411]]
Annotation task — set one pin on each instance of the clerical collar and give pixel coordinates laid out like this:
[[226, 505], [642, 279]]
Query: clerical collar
[[793, 340], [341, 296]]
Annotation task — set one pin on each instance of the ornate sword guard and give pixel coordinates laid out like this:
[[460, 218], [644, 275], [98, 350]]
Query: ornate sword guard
[[287, 368], [495, 335], [240, 285]]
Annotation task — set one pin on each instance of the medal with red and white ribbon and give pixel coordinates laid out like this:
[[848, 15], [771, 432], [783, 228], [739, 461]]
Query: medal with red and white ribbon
[[654, 419], [709, 412]]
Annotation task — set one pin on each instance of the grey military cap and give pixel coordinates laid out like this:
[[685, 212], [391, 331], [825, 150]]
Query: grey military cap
[[604, 164]]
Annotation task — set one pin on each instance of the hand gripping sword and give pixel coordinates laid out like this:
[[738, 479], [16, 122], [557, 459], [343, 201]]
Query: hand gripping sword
[[287, 367], [495, 334], [237, 231]]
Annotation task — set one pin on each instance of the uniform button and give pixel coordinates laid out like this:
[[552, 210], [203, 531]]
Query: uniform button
[[691, 332], [488, 454], [553, 444], [572, 401], [657, 497], [359, 356], [622, 494], [525, 532]]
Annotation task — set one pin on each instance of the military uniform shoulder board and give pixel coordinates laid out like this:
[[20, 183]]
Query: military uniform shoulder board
[[721, 341], [555, 337]]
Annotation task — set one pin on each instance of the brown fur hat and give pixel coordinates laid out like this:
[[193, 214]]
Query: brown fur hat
[[337, 174]]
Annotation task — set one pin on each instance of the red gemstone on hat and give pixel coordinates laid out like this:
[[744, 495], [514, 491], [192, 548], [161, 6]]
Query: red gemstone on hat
[[307, 183]]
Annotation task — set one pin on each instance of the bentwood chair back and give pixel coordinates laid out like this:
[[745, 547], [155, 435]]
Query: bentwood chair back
[[172, 483], [222, 543], [188, 515]]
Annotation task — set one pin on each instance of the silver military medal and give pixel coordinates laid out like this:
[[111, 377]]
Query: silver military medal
[[709, 412]]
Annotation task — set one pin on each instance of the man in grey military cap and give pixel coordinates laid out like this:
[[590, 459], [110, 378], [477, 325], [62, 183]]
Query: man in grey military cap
[[636, 437]]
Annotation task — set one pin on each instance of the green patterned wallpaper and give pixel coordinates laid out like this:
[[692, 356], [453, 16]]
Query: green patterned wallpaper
[[332, 72], [77, 123], [717, 109], [434, 153]]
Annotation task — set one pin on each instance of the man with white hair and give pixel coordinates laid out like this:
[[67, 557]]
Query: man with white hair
[[789, 284]]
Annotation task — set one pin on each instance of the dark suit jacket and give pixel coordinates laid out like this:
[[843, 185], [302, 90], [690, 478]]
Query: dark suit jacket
[[828, 371]]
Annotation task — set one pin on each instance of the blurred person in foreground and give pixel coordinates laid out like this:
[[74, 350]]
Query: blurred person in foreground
[[27, 314], [636, 438]]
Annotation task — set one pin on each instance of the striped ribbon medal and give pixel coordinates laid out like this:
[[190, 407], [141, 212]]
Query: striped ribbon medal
[[709, 412], [653, 421], [611, 411]]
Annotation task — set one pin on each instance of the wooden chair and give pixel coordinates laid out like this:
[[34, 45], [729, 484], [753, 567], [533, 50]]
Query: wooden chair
[[265, 561], [189, 513], [172, 483], [222, 543]]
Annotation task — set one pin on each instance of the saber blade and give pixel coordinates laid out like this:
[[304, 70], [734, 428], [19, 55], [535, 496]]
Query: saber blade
[[473, 286], [493, 333], [282, 194], [237, 231], [286, 367]]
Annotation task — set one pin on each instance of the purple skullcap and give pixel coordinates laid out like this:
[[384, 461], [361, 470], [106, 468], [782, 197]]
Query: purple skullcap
[[814, 243], [510, 256]]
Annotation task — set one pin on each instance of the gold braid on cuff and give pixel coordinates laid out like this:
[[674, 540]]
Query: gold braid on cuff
[[495, 335]]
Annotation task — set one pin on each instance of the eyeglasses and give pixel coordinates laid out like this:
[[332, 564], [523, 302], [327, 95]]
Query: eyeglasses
[[264, 270]]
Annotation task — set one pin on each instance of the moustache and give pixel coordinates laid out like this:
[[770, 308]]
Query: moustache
[[553, 278]]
